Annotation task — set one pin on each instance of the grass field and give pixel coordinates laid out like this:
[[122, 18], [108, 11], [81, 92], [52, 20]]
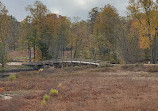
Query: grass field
[[83, 89], [8, 67]]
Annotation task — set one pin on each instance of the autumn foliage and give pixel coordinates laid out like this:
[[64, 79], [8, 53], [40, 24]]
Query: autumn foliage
[[105, 36]]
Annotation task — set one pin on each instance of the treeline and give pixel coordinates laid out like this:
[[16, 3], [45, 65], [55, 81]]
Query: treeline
[[9, 33], [104, 36]]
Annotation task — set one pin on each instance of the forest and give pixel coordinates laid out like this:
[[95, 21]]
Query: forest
[[105, 36]]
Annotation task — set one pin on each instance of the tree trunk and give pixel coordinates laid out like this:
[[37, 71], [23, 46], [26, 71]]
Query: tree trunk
[[3, 63], [153, 49], [29, 52], [93, 54], [71, 52], [14, 45], [152, 53], [34, 47], [3, 56], [75, 53], [63, 53], [34, 52]]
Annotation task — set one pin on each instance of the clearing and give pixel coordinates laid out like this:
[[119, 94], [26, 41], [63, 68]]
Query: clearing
[[83, 89]]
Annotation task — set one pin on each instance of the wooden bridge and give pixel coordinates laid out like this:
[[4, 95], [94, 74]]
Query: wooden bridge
[[62, 63]]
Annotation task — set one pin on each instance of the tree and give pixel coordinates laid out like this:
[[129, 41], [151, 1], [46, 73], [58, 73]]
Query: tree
[[49, 36], [92, 16], [145, 13], [14, 34], [4, 33], [80, 41], [105, 32], [27, 35], [63, 36], [37, 12], [3, 55], [55, 36], [128, 45]]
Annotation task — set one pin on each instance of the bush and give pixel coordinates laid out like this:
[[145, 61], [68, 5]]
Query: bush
[[12, 77], [53, 92], [41, 69], [59, 85], [44, 103], [46, 97]]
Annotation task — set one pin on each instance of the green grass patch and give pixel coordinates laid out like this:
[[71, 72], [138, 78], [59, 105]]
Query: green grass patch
[[44, 103], [12, 77], [53, 92], [46, 97]]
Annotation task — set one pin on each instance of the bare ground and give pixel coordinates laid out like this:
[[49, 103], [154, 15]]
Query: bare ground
[[83, 89]]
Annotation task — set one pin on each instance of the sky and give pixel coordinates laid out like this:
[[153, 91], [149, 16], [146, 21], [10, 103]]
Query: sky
[[69, 8]]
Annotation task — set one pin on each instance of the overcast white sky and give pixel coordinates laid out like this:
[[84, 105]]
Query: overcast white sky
[[68, 8]]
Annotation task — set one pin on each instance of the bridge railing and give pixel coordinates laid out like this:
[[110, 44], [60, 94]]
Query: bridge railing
[[56, 61], [85, 60]]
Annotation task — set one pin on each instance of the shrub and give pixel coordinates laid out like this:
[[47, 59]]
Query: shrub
[[12, 77], [44, 103], [46, 97], [53, 92], [41, 70], [59, 85]]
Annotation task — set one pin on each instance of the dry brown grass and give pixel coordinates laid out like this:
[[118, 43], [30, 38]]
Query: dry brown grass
[[105, 69], [133, 67], [83, 89], [152, 69], [12, 105]]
